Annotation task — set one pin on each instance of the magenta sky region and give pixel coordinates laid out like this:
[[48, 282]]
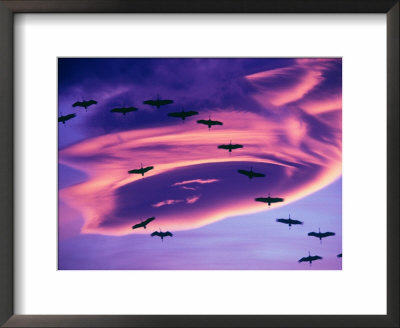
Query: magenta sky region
[[285, 112]]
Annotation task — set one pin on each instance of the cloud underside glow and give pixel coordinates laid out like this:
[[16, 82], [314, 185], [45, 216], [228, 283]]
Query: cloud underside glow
[[295, 142], [111, 200]]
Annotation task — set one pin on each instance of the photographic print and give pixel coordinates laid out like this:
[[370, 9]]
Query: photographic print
[[199, 163]]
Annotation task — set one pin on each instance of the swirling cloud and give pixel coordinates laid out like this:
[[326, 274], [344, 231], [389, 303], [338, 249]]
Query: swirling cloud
[[294, 162]]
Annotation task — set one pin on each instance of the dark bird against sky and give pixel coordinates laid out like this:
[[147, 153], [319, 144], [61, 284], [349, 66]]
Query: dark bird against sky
[[183, 114], [230, 146], [310, 258], [251, 174], [66, 118], [161, 234], [209, 122], [320, 234], [123, 110], [84, 103], [269, 200], [289, 221], [158, 102], [142, 170], [143, 223]]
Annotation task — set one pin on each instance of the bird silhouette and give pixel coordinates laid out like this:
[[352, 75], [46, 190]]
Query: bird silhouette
[[183, 114], [230, 146], [289, 221], [321, 235], [66, 118], [123, 110], [251, 174], [142, 170], [269, 200], [84, 103], [161, 234], [310, 258], [209, 122], [143, 223], [158, 102]]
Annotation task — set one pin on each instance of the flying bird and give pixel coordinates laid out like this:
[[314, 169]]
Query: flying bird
[[161, 234], [251, 174], [320, 234], [158, 102], [183, 114], [209, 122], [123, 110], [289, 221], [230, 146], [339, 255], [85, 103], [143, 223], [310, 258], [64, 118], [142, 170], [269, 200]]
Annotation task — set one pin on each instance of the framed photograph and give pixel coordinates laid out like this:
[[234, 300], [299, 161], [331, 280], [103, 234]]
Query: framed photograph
[[210, 163]]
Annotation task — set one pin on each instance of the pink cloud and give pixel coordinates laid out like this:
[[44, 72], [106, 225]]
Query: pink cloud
[[300, 78], [188, 188], [168, 202], [192, 199], [265, 140], [200, 181]]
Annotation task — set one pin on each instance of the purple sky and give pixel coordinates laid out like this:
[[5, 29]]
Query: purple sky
[[286, 113]]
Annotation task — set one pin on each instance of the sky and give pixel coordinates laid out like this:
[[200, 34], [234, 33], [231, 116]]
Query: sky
[[286, 112]]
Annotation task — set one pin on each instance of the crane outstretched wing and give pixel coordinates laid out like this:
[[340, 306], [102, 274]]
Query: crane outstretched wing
[[314, 234], [117, 110], [91, 102], [150, 102], [244, 172], [286, 221], [258, 175], [304, 259], [123, 110], [145, 169], [147, 221], [327, 234], [236, 146], [223, 146], [165, 102], [203, 122], [315, 257], [139, 225], [191, 113], [66, 117], [296, 222], [78, 103], [167, 233], [137, 171], [216, 123], [276, 200], [261, 199], [155, 233]]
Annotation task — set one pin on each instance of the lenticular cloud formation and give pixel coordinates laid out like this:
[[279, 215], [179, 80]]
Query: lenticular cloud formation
[[287, 116]]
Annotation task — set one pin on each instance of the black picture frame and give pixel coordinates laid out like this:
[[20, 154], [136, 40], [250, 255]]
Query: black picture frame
[[10, 7]]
